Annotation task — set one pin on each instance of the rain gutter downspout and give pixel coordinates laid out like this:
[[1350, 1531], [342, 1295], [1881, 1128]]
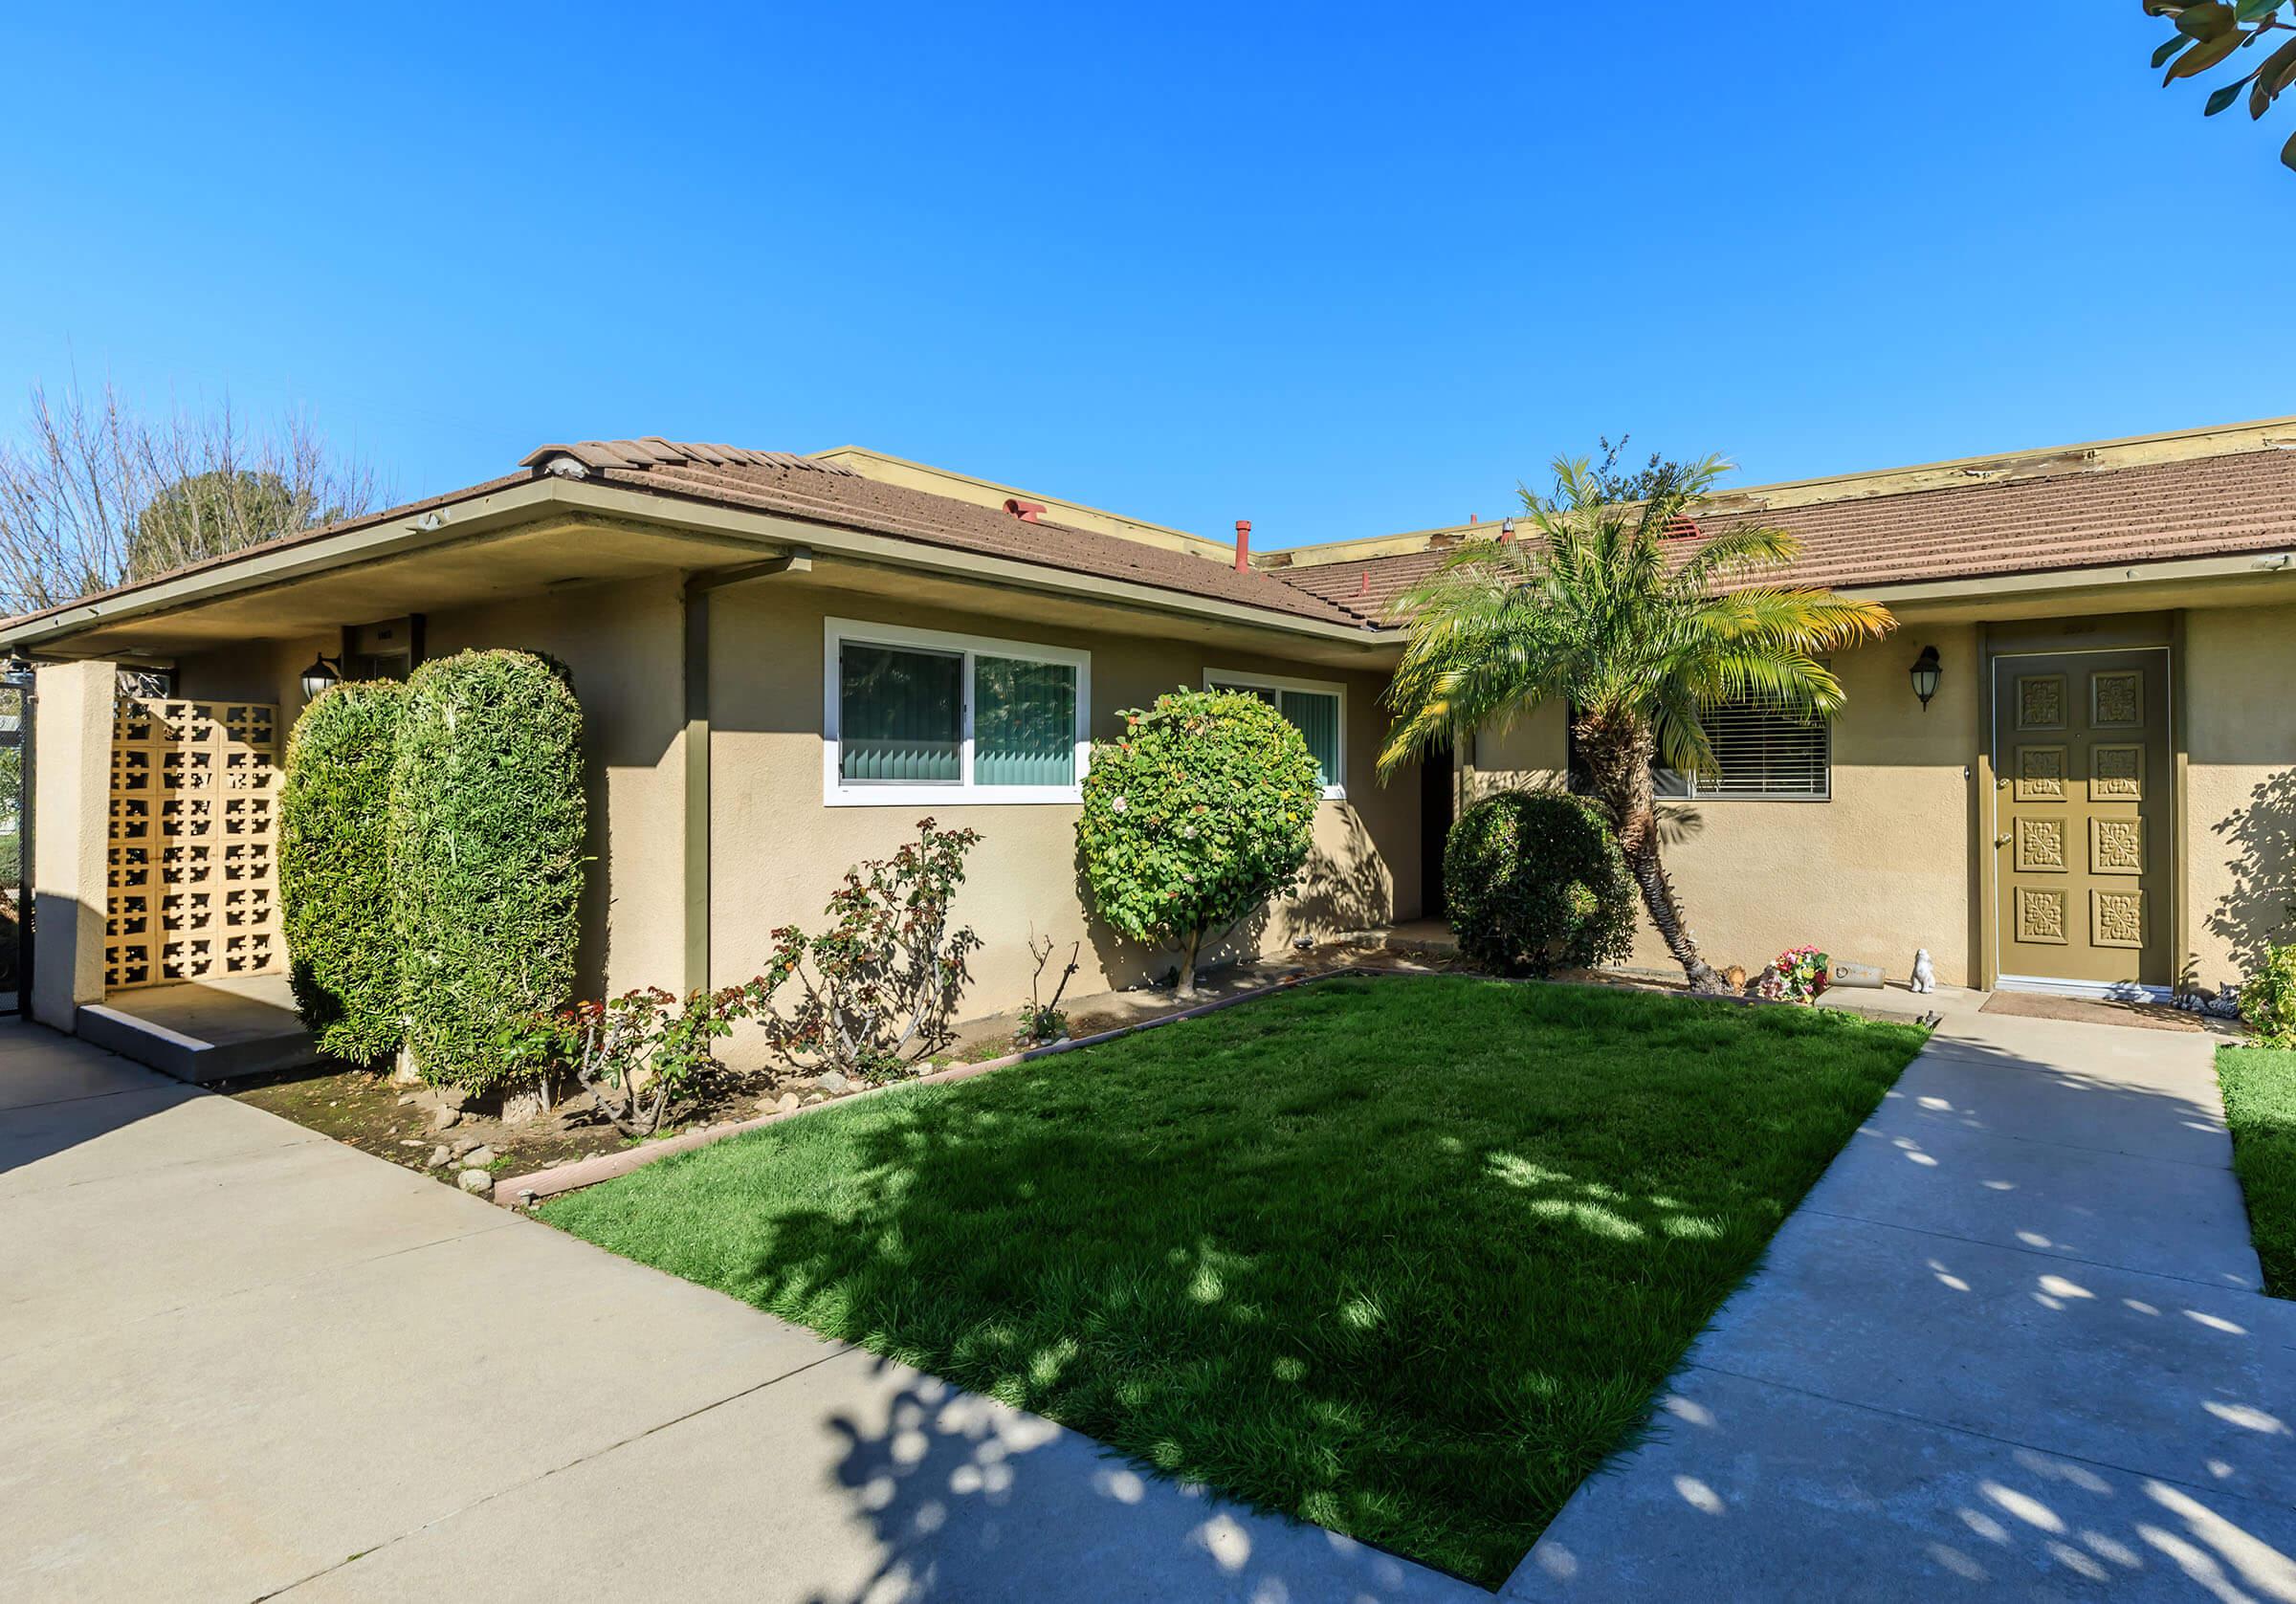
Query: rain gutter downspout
[[695, 606]]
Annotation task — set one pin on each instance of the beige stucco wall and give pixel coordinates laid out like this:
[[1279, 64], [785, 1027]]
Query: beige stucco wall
[[777, 851], [2240, 817], [622, 643], [72, 784], [1881, 869]]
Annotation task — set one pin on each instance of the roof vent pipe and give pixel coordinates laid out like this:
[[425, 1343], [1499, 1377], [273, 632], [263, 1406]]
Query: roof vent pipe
[[1507, 529], [1243, 544]]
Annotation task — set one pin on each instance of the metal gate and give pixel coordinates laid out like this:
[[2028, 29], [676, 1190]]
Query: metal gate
[[193, 868]]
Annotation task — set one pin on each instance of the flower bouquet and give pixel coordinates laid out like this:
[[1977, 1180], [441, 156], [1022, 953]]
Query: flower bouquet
[[1796, 974]]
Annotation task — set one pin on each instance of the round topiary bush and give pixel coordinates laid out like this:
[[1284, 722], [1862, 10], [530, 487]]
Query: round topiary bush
[[335, 868], [1198, 813], [1535, 884], [488, 824]]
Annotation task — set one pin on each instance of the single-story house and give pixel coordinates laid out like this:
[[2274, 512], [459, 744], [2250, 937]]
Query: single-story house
[[784, 661]]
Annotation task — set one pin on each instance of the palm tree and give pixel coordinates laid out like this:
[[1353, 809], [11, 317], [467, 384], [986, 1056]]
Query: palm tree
[[1599, 612]]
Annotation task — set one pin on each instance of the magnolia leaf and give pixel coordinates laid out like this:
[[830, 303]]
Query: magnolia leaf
[[2206, 22], [2223, 96], [2274, 76], [2287, 152], [2256, 10], [2161, 55], [2202, 56]]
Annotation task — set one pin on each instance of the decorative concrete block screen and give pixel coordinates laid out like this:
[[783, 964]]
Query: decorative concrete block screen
[[194, 888]]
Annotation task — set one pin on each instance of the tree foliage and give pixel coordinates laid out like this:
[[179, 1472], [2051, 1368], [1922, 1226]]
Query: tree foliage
[[487, 823], [1195, 816], [335, 888], [97, 494], [2206, 36], [1636, 621], [1534, 882]]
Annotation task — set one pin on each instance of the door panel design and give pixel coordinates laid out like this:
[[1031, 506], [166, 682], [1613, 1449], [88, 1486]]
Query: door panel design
[[2116, 699], [2117, 919], [2040, 774], [2077, 826], [2040, 914], [2040, 846], [2116, 846], [2040, 702], [2116, 773]]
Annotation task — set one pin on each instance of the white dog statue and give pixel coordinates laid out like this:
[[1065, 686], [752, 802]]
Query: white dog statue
[[1925, 976]]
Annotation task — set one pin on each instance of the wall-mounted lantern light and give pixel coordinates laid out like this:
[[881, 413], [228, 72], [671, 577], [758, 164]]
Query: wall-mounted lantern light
[[322, 674], [1926, 674]]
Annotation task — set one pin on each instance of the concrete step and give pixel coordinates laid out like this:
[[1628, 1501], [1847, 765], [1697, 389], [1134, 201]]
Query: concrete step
[[197, 1034]]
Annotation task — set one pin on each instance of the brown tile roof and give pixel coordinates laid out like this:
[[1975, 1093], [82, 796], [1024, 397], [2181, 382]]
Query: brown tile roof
[[824, 493], [2203, 507]]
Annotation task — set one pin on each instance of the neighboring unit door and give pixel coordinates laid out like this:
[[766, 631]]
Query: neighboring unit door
[[2081, 790]]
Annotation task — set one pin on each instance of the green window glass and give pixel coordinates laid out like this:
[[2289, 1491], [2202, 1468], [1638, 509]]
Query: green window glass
[[900, 714], [1315, 714], [1024, 722]]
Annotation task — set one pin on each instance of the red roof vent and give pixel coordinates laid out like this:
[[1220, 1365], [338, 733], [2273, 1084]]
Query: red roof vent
[[1027, 512], [1680, 527]]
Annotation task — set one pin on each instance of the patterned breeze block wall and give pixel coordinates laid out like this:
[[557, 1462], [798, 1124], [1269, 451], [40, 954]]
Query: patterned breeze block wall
[[194, 887]]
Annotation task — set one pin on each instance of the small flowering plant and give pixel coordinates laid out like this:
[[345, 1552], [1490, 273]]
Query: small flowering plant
[[1796, 974], [637, 1052]]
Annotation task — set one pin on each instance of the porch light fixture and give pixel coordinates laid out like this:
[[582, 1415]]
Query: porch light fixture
[[1926, 674], [323, 672]]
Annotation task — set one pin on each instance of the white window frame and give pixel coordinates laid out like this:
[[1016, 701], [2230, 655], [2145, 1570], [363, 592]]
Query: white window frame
[[1216, 678], [837, 791]]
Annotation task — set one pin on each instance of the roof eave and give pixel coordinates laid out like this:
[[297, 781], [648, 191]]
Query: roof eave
[[483, 510]]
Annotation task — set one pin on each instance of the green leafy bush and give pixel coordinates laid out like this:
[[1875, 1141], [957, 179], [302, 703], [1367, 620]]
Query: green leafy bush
[[335, 893], [1196, 815], [2268, 998], [1536, 883], [487, 827]]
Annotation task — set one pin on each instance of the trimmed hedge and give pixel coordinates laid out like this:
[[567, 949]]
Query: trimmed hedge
[[1193, 817], [1536, 883], [487, 823], [335, 891]]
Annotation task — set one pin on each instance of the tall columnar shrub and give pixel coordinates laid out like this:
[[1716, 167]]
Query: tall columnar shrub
[[1196, 815], [1536, 883], [334, 895], [487, 829]]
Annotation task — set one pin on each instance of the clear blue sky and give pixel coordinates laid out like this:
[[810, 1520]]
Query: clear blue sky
[[1341, 271]]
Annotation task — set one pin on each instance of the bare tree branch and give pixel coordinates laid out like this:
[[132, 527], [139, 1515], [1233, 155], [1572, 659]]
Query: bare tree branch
[[95, 494]]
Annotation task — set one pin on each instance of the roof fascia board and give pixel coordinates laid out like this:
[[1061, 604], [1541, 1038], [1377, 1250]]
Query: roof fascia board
[[259, 567], [2109, 576]]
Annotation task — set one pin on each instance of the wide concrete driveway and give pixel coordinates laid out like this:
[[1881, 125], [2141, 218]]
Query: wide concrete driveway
[[2010, 1347], [238, 1361]]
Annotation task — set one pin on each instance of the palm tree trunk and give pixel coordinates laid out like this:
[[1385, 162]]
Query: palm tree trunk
[[1620, 767]]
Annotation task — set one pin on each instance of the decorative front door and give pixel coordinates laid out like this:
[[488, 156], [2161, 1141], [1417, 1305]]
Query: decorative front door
[[2082, 789]]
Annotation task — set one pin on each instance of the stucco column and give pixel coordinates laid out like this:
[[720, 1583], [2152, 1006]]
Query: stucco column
[[72, 786]]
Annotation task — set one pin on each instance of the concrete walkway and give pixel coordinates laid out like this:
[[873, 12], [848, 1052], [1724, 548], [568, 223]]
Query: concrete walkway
[[240, 1362], [2010, 1347]]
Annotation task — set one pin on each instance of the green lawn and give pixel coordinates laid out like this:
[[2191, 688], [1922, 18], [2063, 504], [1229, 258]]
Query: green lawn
[[1406, 1257], [2259, 1104]]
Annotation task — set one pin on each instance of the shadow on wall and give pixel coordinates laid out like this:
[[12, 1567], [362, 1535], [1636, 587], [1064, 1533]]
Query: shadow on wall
[[1342, 892], [2260, 907]]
